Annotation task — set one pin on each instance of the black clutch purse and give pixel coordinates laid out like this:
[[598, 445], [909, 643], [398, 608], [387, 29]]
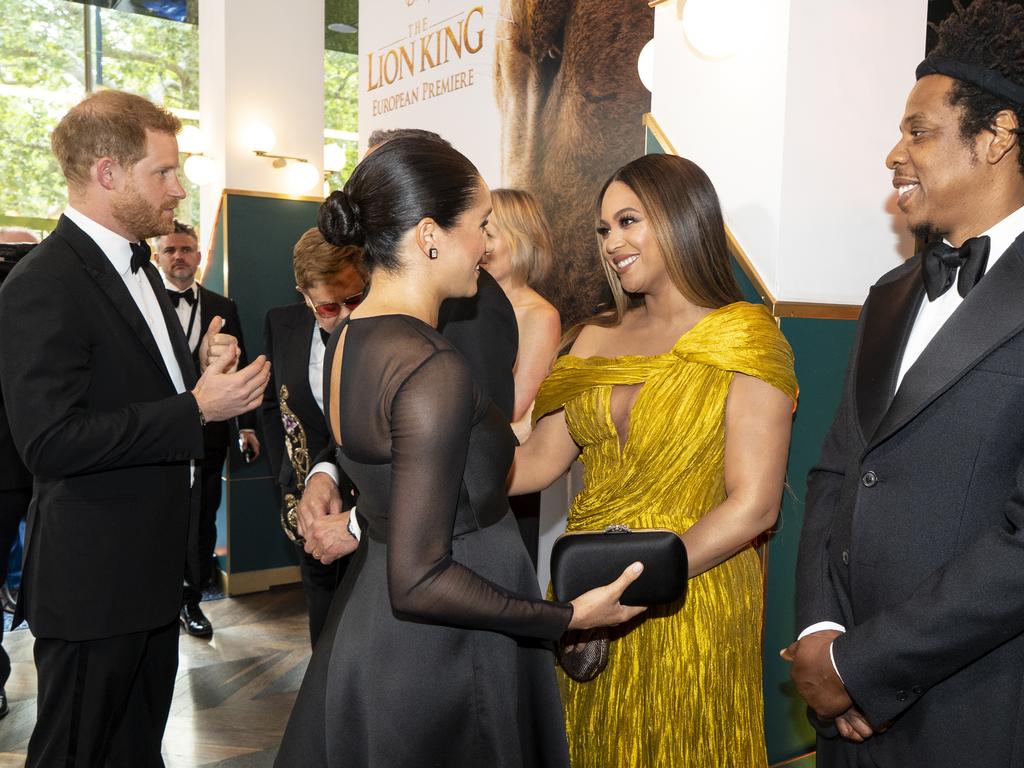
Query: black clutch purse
[[582, 561]]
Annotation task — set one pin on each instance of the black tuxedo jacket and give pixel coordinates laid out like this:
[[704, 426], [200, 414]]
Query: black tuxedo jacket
[[96, 418], [13, 473], [913, 535], [483, 328], [287, 335], [211, 304]]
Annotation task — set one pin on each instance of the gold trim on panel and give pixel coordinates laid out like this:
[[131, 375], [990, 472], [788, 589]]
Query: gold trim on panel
[[817, 311], [779, 309], [259, 581], [653, 3], [793, 760]]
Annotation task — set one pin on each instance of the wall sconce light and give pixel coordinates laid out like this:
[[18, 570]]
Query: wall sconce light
[[717, 28], [198, 167], [302, 175], [645, 65]]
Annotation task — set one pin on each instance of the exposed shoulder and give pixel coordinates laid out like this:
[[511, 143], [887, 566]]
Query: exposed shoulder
[[540, 316], [592, 339]]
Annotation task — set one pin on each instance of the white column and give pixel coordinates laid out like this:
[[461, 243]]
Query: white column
[[259, 61], [793, 130]]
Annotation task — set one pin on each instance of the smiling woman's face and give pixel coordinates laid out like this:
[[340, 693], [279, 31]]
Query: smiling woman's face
[[628, 243]]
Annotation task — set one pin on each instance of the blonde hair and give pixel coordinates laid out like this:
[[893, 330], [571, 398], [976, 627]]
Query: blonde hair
[[107, 124], [517, 214], [314, 259]]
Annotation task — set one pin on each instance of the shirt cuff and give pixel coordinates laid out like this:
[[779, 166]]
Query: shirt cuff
[[832, 656], [353, 525], [821, 626], [327, 468]]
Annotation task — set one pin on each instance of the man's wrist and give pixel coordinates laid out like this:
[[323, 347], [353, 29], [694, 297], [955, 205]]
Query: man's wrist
[[199, 409], [326, 468]]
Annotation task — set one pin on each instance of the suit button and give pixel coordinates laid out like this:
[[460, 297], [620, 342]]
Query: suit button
[[869, 480], [901, 695], [846, 556], [917, 690]]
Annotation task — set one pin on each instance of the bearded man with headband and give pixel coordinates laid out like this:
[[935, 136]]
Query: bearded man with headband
[[910, 579]]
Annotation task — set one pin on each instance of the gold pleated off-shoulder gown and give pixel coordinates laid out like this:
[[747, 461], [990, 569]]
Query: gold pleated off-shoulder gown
[[683, 686]]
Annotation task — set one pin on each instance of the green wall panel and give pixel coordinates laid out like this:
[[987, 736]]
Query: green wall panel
[[252, 259], [821, 349]]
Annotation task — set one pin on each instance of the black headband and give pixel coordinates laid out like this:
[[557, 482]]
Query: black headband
[[986, 79]]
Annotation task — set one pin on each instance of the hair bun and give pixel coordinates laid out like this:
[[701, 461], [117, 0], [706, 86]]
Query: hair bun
[[338, 220]]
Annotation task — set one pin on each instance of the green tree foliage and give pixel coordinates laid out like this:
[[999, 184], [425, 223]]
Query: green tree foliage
[[43, 67], [341, 106]]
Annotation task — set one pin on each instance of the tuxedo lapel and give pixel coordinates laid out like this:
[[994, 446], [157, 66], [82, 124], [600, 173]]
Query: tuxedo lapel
[[992, 313], [99, 268], [178, 341], [893, 308], [302, 399]]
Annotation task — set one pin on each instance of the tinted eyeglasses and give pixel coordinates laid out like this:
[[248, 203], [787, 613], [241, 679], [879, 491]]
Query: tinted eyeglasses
[[332, 308]]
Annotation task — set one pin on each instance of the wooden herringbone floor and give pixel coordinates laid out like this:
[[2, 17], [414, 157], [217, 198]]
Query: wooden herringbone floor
[[233, 693]]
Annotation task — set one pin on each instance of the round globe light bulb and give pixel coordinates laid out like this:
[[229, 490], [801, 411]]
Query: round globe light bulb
[[715, 28], [302, 177], [334, 157], [645, 65], [191, 140], [199, 169], [259, 137]]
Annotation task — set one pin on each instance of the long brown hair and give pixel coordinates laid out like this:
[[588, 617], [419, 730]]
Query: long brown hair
[[686, 220]]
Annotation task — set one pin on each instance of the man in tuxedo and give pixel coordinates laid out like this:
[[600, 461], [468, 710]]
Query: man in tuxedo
[[482, 327], [178, 257], [295, 341], [107, 414], [15, 479], [910, 578]]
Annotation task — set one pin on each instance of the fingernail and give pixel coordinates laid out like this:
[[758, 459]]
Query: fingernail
[[638, 567]]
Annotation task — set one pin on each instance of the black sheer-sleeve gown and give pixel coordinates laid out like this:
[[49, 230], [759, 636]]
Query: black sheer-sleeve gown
[[435, 652]]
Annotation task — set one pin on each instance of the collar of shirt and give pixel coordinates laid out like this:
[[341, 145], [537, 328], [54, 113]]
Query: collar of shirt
[[194, 287], [1003, 234], [116, 248]]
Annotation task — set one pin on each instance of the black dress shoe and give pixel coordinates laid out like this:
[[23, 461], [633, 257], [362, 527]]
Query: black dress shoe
[[4, 709], [194, 621]]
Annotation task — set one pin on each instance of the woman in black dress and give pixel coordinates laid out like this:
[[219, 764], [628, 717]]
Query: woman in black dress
[[436, 650]]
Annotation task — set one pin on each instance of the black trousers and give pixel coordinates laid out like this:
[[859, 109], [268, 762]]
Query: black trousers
[[319, 582], [209, 479], [104, 703], [13, 506]]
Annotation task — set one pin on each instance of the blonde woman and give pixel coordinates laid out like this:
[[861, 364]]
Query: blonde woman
[[679, 402], [518, 256]]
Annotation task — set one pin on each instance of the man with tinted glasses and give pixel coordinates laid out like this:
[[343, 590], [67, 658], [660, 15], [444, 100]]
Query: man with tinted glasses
[[295, 431], [178, 257]]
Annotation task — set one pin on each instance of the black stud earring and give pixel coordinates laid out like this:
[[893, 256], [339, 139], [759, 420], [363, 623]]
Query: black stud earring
[[432, 253]]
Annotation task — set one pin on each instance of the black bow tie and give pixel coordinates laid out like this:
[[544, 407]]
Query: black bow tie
[[940, 262], [325, 335], [177, 296], [140, 255]]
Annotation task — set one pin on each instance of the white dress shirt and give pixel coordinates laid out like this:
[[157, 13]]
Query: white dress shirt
[[118, 251], [931, 316], [317, 352], [184, 310]]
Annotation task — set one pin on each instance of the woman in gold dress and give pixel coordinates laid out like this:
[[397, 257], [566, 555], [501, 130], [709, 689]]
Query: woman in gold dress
[[679, 403]]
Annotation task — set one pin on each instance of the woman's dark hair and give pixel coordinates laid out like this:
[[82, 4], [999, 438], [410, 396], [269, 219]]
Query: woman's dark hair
[[991, 35], [394, 187]]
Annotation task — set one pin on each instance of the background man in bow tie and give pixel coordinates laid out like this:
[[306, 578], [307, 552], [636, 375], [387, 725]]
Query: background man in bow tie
[[178, 256], [107, 414], [910, 580]]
